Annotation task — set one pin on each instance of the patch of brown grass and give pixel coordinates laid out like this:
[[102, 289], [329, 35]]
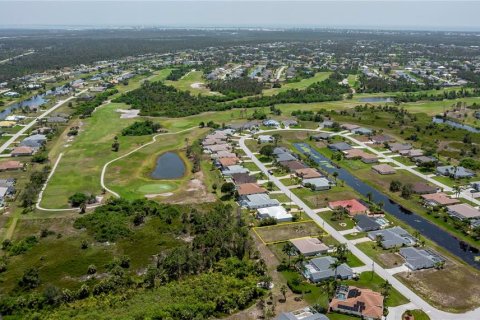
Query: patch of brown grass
[[284, 232], [455, 288]]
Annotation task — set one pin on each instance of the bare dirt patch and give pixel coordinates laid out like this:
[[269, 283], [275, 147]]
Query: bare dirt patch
[[197, 85], [194, 192], [292, 302], [455, 288], [284, 232], [128, 114], [391, 260]]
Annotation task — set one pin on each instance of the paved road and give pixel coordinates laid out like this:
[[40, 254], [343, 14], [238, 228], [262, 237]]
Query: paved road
[[388, 158], [280, 71], [416, 301], [34, 121], [19, 56]]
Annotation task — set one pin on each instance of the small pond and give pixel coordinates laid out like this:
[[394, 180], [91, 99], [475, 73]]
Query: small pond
[[376, 99], [169, 166]]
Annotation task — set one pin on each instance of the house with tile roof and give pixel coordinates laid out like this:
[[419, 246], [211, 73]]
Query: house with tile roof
[[360, 302]]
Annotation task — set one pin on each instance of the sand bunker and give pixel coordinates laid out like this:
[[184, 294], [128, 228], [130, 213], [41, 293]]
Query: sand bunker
[[128, 114]]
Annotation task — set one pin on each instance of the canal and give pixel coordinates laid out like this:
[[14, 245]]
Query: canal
[[425, 227]]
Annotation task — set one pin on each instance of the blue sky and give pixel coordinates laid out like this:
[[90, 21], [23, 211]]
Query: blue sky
[[436, 15]]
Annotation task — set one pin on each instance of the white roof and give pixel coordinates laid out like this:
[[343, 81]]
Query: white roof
[[3, 191], [277, 212]]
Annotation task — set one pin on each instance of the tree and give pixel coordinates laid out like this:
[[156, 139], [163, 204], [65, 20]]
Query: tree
[[379, 240], [335, 175], [283, 290], [369, 196], [276, 138], [270, 185], [77, 199], [30, 279], [386, 287], [83, 207], [407, 191], [395, 186], [92, 269], [334, 266], [267, 150], [341, 252], [289, 250], [457, 190], [228, 188]]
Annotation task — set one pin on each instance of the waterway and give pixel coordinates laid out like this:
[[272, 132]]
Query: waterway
[[455, 124], [425, 227], [169, 166], [36, 101], [377, 99]]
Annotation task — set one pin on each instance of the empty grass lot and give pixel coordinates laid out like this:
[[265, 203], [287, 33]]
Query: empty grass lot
[[287, 231]]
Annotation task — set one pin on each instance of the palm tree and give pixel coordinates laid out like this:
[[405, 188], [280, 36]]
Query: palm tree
[[386, 286], [83, 207], [288, 250], [369, 197], [300, 260], [330, 286], [457, 189], [335, 175], [341, 252], [277, 138], [334, 266], [283, 290]]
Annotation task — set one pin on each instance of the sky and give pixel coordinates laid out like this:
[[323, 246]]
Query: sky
[[386, 14]]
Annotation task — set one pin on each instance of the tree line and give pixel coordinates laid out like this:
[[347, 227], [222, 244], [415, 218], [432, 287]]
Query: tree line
[[158, 99]]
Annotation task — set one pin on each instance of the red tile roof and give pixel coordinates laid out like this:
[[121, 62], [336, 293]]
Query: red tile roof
[[250, 188], [353, 206]]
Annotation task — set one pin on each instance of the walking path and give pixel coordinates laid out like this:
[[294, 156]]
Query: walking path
[[417, 301], [154, 139]]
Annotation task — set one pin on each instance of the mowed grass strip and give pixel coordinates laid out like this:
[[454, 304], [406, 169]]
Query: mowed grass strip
[[287, 231], [193, 82], [131, 175], [80, 167], [302, 84]]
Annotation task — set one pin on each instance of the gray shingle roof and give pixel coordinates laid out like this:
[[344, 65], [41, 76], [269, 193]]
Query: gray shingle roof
[[393, 237], [319, 269]]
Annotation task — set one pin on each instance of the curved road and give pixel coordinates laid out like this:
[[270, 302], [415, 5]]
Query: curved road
[[417, 301]]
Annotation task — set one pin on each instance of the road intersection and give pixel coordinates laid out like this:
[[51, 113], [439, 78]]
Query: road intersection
[[416, 302]]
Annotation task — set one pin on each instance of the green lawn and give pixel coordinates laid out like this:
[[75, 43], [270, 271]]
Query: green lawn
[[345, 224], [280, 197], [192, 82], [80, 167], [315, 294], [302, 84], [372, 281], [417, 314]]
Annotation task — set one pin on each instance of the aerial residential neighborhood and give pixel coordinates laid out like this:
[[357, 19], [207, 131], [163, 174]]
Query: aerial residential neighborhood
[[240, 160]]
